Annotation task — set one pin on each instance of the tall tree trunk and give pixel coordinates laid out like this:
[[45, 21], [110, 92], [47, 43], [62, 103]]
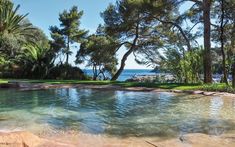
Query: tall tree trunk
[[94, 72], [124, 58], [225, 77], [67, 51], [207, 42], [67, 59], [233, 73], [233, 48]]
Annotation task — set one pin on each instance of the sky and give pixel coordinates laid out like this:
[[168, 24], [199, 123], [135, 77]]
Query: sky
[[45, 13]]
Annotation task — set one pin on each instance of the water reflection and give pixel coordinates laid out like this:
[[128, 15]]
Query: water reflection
[[215, 106], [120, 113]]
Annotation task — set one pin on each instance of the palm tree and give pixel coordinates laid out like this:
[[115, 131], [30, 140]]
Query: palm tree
[[36, 57], [10, 21]]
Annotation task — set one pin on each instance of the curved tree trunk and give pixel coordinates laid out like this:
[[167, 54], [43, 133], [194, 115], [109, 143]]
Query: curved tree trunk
[[181, 31], [207, 42], [124, 58]]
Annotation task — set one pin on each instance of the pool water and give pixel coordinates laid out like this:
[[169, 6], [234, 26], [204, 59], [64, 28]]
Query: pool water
[[115, 113]]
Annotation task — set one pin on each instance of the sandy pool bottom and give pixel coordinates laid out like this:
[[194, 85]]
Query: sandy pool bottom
[[72, 139]]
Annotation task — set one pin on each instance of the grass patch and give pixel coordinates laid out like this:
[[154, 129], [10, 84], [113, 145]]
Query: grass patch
[[3, 81], [218, 87], [61, 81], [160, 85]]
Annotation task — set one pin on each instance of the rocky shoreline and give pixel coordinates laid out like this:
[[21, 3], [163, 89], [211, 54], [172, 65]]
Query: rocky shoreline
[[24, 86], [169, 78]]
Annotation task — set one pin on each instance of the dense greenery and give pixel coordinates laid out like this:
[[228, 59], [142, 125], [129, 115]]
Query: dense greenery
[[69, 33], [99, 52], [26, 52], [158, 33]]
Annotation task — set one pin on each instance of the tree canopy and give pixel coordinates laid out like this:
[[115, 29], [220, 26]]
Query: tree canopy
[[191, 43]]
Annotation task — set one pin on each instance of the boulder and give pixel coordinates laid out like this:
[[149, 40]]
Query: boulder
[[208, 93]]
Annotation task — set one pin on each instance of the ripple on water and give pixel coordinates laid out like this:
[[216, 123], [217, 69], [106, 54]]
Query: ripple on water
[[115, 113]]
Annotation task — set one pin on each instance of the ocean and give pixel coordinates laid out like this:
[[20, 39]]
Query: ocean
[[127, 73]]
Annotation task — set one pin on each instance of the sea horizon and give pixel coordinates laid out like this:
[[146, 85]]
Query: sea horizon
[[127, 73]]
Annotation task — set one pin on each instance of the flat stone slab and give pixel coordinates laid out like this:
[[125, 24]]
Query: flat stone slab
[[178, 91], [197, 92], [208, 93]]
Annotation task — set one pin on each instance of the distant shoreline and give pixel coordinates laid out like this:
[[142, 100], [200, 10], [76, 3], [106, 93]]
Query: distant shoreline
[[126, 74]]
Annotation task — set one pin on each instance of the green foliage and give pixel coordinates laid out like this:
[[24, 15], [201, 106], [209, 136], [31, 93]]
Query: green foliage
[[69, 32], [100, 54], [34, 53], [36, 60], [25, 50], [217, 87], [132, 25], [2, 60], [66, 72], [13, 29], [167, 86], [10, 20], [191, 66], [156, 32], [185, 67], [10, 45]]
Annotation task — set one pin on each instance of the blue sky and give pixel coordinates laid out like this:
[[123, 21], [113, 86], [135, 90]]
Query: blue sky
[[44, 13]]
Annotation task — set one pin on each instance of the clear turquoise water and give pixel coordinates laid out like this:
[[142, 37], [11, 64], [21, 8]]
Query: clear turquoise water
[[116, 113]]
